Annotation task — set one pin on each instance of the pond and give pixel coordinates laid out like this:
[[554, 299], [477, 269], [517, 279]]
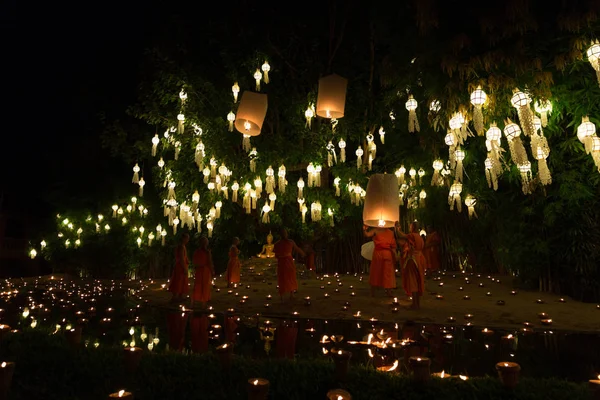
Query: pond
[[111, 313]]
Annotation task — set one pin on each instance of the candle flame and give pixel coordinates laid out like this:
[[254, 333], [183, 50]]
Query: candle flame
[[121, 393], [418, 358], [339, 352], [324, 339], [340, 398], [388, 340], [506, 364], [599, 377], [256, 382], [370, 338], [132, 349], [463, 377], [381, 333], [510, 336], [325, 350], [443, 374], [3, 364], [485, 329], [370, 353], [394, 366], [381, 223], [225, 346]]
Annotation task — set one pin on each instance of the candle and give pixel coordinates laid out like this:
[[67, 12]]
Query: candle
[[561, 300], [420, 367], [513, 292], [488, 294], [469, 317], [132, 357], [357, 315], [500, 302], [467, 298], [460, 288], [342, 360], [539, 301], [542, 315], [326, 295], [395, 302], [121, 394], [352, 294], [338, 394], [487, 332], [480, 284], [508, 373], [258, 389], [439, 297], [307, 301], [450, 319], [395, 310], [547, 321]]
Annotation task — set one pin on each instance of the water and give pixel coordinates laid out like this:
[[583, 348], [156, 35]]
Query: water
[[110, 311]]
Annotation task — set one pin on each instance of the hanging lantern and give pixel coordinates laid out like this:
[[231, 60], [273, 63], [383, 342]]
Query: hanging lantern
[[266, 68], [161, 163], [304, 210], [381, 135], [310, 168], [206, 173], [422, 197], [543, 170], [330, 213], [437, 179], [331, 100], [253, 155], [585, 132], [525, 170], [357, 195], [315, 211], [251, 113], [400, 174], [136, 176], [300, 204], [235, 89], [272, 198], [342, 145], [336, 183], [282, 181], [309, 114], [141, 183], [209, 226], [180, 122], [544, 108], [331, 156], [515, 145], [454, 196], [490, 173], [257, 77], [520, 101], [317, 177], [412, 173], [435, 106], [421, 173], [175, 224], [177, 149], [171, 193], [199, 155], [478, 98], [265, 213], [218, 206], [163, 235], [470, 202], [593, 55], [270, 180], [382, 208], [413, 121], [359, 154], [183, 96], [231, 119], [450, 140], [155, 142], [258, 186], [150, 238], [596, 151], [300, 185], [115, 208], [235, 188], [459, 155]]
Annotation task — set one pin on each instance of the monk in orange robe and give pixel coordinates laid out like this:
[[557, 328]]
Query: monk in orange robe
[[383, 264], [413, 271], [202, 261], [286, 269], [179, 280], [234, 265], [432, 249]]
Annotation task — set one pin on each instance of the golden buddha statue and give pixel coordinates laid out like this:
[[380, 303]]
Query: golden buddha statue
[[267, 250]]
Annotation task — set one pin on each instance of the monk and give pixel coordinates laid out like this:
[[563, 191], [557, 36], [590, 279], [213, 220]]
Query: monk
[[234, 265], [432, 249], [286, 268], [383, 264], [413, 270], [179, 280], [205, 271]]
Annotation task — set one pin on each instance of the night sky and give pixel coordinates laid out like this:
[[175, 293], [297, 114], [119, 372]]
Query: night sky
[[77, 62]]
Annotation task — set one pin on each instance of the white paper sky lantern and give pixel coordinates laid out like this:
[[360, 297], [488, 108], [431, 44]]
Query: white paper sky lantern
[[331, 100], [251, 113], [593, 55], [382, 205]]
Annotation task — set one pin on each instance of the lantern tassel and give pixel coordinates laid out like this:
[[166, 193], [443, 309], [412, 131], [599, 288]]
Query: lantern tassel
[[478, 120], [459, 171], [544, 172], [252, 165], [413, 122], [246, 143]]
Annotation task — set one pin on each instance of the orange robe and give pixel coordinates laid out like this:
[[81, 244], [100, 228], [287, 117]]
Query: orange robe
[[233, 266], [286, 269], [432, 252], [202, 279], [413, 273], [383, 271], [179, 281]]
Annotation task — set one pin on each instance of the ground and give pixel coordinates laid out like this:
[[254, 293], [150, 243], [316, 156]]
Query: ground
[[259, 281]]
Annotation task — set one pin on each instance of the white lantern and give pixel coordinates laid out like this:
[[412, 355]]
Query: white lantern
[[435, 106], [382, 206], [257, 77], [161, 163], [136, 176], [300, 186], [235, 89], [359, 154], [342, 145], [266, 68], [459, 156], [155, 142], [454, 196], [543, 107], [437, 179], [231, 119], [593, 55], [235, 188], [585, 132], [183, 95], [180, 123], [142, 183], [336, 183], [381, 135], [265, 213], [413, 122], [422, 197], [521, 101], [251, 113], [331, 99], [525, 170], [478, 98], [281, 177], [470, 202], [517, 150], [309, 114]]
